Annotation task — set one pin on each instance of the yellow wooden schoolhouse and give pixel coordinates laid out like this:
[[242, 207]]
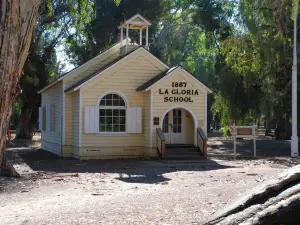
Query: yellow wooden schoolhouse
[[123, 103]]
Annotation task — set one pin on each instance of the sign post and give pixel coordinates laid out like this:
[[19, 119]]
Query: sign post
[[241, 132]]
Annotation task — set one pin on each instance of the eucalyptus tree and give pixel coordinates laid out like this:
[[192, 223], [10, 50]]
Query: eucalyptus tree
[[17, 20], [261, 58]]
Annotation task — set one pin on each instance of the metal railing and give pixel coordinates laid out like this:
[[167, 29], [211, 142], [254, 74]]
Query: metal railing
[[202, 141], [160, 142]]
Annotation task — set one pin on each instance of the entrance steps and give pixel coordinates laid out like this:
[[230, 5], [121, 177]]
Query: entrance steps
[[182, 152]]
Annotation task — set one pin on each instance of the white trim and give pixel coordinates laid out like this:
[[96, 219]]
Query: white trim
[[120, 61], [141, 37], [151, 120], [50, 85], [113, 92], [200, 85], [112, 134], [205, 125], [63, 116], [126, 108], [80, 118], [190, 111]]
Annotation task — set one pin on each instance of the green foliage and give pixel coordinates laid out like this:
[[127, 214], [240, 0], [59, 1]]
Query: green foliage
[[56, 20], [102, 31]]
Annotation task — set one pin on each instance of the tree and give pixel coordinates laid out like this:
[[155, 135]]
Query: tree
[[17, 21], [102, 32], [55, 22]]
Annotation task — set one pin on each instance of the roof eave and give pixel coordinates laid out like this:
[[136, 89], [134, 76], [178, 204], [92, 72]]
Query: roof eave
[[50, 85]]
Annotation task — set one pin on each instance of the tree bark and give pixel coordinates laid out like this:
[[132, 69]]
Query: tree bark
[[17, 20]]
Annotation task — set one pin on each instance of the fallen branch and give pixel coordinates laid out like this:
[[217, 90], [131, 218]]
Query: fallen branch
[[276, 201]]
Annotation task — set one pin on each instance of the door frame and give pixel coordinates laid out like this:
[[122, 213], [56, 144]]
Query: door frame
[[190, 111]]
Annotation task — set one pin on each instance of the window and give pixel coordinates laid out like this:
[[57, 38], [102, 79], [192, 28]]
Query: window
[[176, 120], [112, 114]]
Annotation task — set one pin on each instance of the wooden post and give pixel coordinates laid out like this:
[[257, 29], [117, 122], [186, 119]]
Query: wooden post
[[122, 38], [141, 37], [127, 33], [254, 140], [163, 148], [234, 140], [147, 38]]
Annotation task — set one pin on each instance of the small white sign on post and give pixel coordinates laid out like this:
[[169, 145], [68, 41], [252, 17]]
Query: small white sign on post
[[242, 132]]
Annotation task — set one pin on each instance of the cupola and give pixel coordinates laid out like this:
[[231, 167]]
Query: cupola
[[136, 22]]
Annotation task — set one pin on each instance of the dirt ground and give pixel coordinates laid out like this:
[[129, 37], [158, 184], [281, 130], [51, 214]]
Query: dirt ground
[[56, 191]]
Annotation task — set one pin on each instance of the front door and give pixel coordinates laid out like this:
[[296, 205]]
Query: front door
[[174, 127]]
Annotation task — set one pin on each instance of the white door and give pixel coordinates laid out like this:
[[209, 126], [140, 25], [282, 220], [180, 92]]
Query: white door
[[174, 127]]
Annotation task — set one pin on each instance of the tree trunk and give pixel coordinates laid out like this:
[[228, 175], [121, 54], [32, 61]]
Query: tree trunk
[[28, 119], [25, 128], [268, 127], [17, 20]]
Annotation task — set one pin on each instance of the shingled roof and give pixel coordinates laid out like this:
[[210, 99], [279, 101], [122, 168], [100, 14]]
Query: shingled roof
[[98, 71], [61, 77]]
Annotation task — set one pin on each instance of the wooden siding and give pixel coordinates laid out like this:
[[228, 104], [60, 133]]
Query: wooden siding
[[75, 118], [146, 119], [125, 77], [51, 140], [160, 107]]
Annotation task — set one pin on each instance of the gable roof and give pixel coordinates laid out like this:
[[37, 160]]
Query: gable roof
[[86, 79], [137, 20], [150, 83]]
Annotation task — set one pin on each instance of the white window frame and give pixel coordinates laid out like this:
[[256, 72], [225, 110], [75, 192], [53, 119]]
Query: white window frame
[[112, 107]]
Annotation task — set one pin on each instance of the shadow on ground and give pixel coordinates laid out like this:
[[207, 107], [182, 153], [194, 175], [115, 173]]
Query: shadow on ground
[[148, 171]]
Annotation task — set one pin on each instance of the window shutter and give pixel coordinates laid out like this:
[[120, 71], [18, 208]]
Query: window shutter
[[52, 118], [134, 120], [48, 117], [40, 118], [91, 119]]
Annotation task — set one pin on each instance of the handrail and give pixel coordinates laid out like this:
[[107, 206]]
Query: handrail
[[202, 141], [161, 142]]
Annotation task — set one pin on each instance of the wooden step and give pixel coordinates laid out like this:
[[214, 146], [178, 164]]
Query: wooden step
[[184, 157], [183, 152], [179, 146]]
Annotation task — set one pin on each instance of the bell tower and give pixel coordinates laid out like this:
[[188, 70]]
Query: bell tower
[[136, 22]]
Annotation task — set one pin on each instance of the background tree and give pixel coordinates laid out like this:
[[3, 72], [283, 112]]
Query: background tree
[[17, 20], [55, 21], [102, 32]]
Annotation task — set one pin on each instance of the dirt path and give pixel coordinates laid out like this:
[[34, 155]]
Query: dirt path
[[55, 191]]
